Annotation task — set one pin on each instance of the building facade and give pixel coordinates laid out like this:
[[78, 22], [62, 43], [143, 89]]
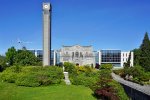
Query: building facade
[[115, 57], [79, 55], [84, 55], [39, 53]]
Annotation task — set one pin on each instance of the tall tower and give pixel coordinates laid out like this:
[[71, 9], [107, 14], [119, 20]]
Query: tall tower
[[46, 34]]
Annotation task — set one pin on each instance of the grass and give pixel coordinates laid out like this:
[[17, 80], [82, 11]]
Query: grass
[[9, 91]]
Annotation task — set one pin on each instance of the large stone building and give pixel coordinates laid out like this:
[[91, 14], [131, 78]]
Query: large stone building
[[84, 55], [79, 55]]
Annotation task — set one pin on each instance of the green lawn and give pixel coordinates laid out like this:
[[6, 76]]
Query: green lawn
[[9, 91]]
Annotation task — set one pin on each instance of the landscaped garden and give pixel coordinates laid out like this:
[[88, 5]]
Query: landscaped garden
[[100, 81], [22, 78]]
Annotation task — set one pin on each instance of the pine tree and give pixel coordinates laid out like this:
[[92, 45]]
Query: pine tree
[[145, 53]]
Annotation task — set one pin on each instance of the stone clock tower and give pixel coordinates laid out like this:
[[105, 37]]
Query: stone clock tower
[[46, 34]]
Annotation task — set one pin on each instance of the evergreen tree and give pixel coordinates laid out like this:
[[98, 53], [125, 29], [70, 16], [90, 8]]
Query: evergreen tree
[[145, 53], [137, 53]]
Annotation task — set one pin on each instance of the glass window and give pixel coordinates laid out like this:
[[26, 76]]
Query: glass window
[[111, 55]]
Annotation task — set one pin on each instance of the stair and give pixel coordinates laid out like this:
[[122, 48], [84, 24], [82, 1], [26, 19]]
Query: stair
[[66, 78]]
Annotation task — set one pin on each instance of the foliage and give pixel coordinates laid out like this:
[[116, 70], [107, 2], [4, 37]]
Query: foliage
[[25, 58], [2, 63], [28, 79], [145, 53], [137, 72], [119, 90], [21, 57], [81, 75], [107, 66], [10, 74], [85, 78], [137, 53], [69, 67], [10, 56], [33, 76], [106, 87], [119, 72]]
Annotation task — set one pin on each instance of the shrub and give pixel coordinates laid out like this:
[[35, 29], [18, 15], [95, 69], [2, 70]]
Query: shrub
[[106, 87], [85, 79], [106, 66], [118, 89], [86, 69], [69, 67], [10, 74], [33, 76], [28, 79], [119, 72]]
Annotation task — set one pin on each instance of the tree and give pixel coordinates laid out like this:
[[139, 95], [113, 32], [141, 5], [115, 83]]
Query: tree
[[10, 55], [25, 57], [145, 53], [137, 53], [2, 63]]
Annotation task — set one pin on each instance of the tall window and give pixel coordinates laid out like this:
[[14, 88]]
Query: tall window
[[72, 54], [77, 54]]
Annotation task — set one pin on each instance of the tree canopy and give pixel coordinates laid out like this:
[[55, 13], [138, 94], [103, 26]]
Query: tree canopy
[[21, 57], [25, 57], [145, 53], [10, 55]]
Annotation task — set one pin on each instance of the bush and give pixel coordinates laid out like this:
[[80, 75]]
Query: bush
[[81, 75], [10, 74], [69, 67], [119, 90], [85, 79], [28, 79], [33, 76], [119, 72], [107, 66], [106, 87]]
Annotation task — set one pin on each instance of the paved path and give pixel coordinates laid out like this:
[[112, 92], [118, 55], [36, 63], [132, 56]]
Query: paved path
[[66, 78], [145, 89]]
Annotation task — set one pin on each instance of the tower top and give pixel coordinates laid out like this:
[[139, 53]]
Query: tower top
[[46, 6]]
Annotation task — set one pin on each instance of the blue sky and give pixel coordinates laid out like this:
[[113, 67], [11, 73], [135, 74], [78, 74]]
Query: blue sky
[[104, 24]]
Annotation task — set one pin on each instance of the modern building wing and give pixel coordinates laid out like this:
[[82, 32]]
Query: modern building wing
[[39, 53], [115, 57]]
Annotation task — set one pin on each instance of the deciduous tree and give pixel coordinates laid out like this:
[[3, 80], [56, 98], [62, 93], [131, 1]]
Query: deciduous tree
[[10, 55]]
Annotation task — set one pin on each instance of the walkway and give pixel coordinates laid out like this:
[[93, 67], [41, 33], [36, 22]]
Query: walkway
[[66, 78], [145, 89]]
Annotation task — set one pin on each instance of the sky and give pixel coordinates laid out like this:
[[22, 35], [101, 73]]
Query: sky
[[104, 24]]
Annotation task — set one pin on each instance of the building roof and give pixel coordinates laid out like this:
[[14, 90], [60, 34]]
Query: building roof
[[77, 45]]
